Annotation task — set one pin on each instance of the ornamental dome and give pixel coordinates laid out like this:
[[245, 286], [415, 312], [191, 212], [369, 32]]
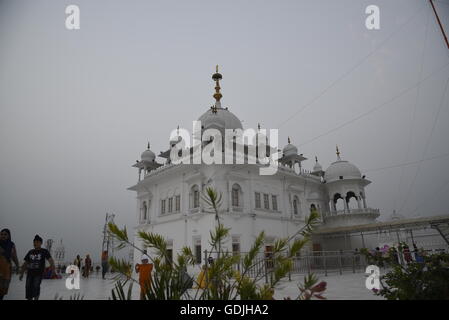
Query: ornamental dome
[[342, 168], [289, 149], [317, 167], [219, 118], [148, 155]]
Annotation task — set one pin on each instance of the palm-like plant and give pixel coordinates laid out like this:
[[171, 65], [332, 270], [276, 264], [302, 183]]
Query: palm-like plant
[[222, 280]]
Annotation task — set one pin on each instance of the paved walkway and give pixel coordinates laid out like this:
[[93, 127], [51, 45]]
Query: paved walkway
[[349, 286]]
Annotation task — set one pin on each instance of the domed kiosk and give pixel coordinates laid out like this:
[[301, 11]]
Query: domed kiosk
[[345, 186], [147, 162]]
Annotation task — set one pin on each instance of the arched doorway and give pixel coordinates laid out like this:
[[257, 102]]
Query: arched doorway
[[352, 201], [339, 202]]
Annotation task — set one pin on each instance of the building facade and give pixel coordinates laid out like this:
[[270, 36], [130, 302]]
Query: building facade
[[170, 196]]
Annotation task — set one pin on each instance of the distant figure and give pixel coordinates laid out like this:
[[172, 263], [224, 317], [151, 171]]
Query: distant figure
[[407, 255], [394, 255], [7, 253], [35, 264], [201, 280], [356, 257], [378, 254], [104, 263], [77, 262], [415, 252], [420, 256], [144, 270], [87, 266]]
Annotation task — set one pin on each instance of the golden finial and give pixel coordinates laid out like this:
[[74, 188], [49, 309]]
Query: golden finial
[[258, 126], [217, 77], [148, 145], [338, 153], [316, 159], [288, 139]]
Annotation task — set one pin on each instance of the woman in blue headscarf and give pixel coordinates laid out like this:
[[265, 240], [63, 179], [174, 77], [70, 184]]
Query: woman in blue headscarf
[[7, 253]]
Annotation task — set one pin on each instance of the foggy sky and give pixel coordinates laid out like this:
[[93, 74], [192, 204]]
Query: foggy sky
[[78, 107]]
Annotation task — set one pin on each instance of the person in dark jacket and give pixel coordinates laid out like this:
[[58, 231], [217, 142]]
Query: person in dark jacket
[[35, 266]]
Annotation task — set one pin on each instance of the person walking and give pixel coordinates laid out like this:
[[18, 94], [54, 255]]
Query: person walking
[[144, 270], [77, 262], [104, 263], [7, 253], [35, 265], [87, 266]]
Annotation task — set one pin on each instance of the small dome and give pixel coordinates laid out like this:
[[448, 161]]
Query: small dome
[[290, 150], [222, 117], [213, 121], [342, 168], [148, 156], [317, 167]]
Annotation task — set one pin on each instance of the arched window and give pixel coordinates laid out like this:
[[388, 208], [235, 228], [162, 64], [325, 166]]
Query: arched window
[[195, 196], [352, 200], [312, 207], [339, 202], [236, 196], [295, 205], [144, 211]]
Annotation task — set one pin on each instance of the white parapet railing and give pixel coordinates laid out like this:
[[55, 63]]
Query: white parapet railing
[[351, 211]]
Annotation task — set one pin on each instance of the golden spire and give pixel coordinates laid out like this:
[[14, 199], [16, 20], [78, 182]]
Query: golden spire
[[288, 139], [148, 146], [217, 77], [258, 126], [338, 153], [316, 159]]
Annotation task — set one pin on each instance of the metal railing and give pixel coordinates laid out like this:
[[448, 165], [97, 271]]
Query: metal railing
[[319, 262], [329, 263]]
